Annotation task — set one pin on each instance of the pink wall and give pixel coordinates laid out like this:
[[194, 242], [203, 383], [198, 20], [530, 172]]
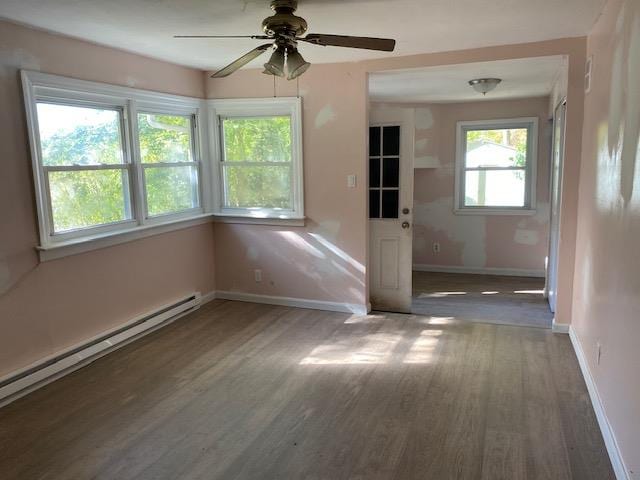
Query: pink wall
[[45, 307], [324, 260], [607, 276], [335, 119], [481, 241]]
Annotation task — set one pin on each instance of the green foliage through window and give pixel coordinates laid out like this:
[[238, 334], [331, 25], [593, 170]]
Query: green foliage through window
[[76, 138], [257, 162]]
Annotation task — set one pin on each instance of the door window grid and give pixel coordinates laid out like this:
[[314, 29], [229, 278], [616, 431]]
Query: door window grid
[[384, 171]]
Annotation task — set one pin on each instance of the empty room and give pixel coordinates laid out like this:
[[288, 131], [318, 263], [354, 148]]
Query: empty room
[[403, 248]]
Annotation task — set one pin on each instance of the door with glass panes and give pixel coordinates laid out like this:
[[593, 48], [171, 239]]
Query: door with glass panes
[[390, 215]]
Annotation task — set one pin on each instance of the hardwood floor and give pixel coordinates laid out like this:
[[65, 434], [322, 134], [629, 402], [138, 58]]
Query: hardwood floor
[[482, 298], [244, 391]]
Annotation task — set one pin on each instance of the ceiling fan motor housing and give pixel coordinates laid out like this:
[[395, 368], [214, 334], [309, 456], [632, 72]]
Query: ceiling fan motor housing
[[284, 22]]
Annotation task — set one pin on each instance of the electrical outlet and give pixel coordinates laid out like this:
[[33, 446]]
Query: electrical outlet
[[257, 274], [436, 247], [351, 181], [598, 353]]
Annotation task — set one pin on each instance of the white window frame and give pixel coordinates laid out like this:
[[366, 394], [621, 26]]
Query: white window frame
[[62, 90], [257, 107], [529, 208]]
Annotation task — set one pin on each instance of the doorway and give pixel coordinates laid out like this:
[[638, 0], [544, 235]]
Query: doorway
[[480, 174]]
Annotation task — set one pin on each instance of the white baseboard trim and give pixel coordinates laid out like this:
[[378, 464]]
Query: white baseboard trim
[[559, 327], [207, 297], [25, 380], [511, 272], [608, 435], [354, 308]]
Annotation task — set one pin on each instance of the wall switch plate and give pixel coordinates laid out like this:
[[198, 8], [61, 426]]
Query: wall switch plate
[[257, 274], [351, 181], [598, 353]]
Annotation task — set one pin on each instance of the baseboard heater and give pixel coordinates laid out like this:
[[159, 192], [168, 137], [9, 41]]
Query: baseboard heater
[[34, 376]]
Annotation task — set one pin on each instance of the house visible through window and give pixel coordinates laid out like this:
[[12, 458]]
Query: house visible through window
[[495, 169]]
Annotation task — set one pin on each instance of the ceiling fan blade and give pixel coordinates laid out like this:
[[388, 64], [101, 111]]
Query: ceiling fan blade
[[242, 61], [259, 37], [369, 43]]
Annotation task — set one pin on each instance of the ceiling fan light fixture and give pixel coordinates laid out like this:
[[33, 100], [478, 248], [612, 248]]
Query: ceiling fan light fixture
[[275, 65], [296, 65], [484, 85]]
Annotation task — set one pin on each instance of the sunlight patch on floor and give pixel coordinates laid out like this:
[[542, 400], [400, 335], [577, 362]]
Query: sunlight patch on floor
[[376, 348], [422, 349], [440, 294]]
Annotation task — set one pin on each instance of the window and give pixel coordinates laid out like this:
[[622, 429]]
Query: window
[[384, 171], [110, 159], [259, 162], [496, 166], [167, 154], [85, 172]]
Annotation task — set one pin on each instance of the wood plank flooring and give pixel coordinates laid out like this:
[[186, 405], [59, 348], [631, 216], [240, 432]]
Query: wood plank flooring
[[244, 391], [482, 298]]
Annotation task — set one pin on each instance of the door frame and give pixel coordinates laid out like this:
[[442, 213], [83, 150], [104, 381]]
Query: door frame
[[555, 201]]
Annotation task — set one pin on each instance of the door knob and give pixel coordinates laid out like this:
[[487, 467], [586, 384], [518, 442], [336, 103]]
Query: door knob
[[405, 225]]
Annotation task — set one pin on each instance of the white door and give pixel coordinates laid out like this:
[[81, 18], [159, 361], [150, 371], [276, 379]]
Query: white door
[[390, 211], [556, 198]]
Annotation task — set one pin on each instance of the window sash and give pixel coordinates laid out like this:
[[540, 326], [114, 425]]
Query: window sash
[[196, 189], [94, 229], [225, 195]]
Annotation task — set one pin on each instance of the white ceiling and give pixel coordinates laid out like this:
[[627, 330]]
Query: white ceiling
[[419, 26], [521, 78]]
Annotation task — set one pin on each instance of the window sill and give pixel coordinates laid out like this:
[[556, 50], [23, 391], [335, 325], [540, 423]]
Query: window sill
[[281, 221], [495, 211], [104, 240]]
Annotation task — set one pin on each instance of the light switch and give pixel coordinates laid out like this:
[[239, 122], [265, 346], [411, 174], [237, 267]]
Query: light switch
[[351, 181]]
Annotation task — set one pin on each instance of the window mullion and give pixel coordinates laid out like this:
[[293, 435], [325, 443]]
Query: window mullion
[[137, 174]]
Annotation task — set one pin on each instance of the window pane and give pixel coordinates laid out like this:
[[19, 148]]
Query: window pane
[[88, 198], [495, 188], [374, 141], [265, 139], [391, 141], [391, 172], [374, 203], [164, 138], [374, 172], [171, 189], [72, 135], [257, 186], [390, 203], [496, 148]]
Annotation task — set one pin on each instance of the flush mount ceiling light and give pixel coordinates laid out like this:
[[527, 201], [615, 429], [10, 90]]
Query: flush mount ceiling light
[[484, 85], [284, 30]]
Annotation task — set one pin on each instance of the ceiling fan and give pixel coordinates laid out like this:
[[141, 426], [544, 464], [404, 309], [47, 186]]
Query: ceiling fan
[[285, 30]]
